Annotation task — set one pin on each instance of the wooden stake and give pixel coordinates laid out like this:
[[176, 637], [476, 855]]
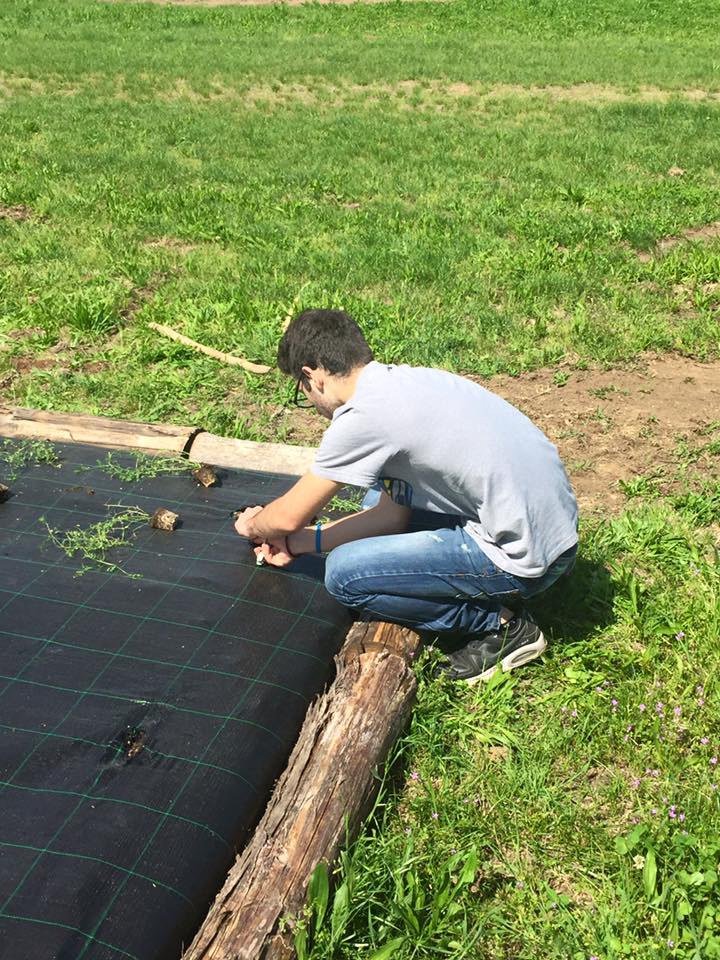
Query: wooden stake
[[210, 351], [327, 787]]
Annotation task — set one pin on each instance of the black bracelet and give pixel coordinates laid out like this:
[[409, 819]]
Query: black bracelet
[[288, 551]]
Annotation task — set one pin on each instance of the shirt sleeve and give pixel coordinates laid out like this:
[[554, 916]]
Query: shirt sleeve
[[352, 451]]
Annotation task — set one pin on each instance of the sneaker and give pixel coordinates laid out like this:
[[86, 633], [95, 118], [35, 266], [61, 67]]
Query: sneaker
[[517, 642]]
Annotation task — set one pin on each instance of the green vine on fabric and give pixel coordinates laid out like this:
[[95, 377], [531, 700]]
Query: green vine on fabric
[[93, 543], [18, 454], [146, 467]]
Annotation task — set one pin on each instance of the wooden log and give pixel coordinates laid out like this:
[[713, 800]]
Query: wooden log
[[327, 788], [157, 438], [103, 431], [249, 455]]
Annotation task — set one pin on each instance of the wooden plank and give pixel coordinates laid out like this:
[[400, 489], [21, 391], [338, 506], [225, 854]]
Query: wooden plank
[[327, 787], [248, 455], [102, 431]]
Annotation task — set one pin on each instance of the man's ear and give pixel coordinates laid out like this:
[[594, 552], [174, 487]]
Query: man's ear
[[316, 377]]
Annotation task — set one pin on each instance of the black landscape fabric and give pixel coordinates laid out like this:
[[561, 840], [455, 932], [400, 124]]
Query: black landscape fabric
[[143, 721]]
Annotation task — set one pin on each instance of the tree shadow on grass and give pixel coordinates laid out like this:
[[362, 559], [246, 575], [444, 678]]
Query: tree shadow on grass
[[578, 604]]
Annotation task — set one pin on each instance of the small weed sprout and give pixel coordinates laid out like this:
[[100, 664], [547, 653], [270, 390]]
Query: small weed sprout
[[93, 543], [146, 467], [18, 455]]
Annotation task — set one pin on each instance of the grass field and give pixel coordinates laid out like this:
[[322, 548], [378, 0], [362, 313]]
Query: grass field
[[488, 186]]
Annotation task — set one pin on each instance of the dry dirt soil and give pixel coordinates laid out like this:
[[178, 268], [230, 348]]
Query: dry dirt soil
[[611, 425]]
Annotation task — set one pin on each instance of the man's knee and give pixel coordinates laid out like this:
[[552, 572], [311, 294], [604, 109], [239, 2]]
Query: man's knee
[[339, 573]]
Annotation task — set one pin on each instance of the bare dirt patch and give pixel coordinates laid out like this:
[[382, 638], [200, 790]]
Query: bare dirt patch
[[613, 425], [425, 95], [171, 243], [19, 213], [701, 234], [609, 425]]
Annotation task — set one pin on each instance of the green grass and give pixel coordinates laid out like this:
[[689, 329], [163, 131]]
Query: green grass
[[321, 156], [572, 809], [214, 169]]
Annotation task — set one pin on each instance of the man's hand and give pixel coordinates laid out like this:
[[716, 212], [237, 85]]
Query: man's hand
[[243, 524], [274, 552]]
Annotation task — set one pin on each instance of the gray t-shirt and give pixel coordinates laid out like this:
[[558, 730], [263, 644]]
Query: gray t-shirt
[[439, 442]]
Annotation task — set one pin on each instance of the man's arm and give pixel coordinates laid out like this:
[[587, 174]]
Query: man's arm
[[387, 517], [289, 512]]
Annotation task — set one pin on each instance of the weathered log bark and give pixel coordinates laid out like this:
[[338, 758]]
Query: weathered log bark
[[157, 438], [250, 455], [82, 428], [326, 789]]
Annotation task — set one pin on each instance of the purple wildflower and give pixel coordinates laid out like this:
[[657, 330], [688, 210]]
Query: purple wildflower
[[642, 708], [677, 711], [713, 761], [704, 740], [414, 775], [434, 814]]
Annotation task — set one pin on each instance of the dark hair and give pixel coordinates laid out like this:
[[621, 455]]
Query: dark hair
[[323, 338]]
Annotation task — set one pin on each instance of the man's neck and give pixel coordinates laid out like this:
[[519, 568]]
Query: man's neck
[[344, 387]]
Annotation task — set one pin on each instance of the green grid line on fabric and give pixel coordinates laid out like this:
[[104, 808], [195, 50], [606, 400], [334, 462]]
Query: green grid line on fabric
[[155, 703], [99, 798], [174, 623], [98, 465], [151, 751], [107, 863], [132, 493], [149, 618], [67, 926], [196, 764], [89, 513], [22, 593], [177, 797], [288, 574], [164, 583], [69, 817], [209, 671]]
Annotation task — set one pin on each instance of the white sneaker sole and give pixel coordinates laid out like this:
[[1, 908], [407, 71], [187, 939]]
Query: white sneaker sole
[[517, 658]]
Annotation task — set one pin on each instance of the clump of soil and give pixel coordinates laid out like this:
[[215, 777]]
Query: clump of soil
[[164, 519], [133, 741], [205, 475]]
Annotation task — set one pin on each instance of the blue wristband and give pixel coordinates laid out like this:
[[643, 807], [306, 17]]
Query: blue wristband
[[318, 537]]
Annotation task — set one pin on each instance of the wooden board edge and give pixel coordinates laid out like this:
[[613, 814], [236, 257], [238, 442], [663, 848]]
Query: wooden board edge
[[251, 455], [25, 423], [326, 789]]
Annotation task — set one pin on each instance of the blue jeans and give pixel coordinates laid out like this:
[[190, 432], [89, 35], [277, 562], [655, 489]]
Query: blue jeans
[[436, 578]]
